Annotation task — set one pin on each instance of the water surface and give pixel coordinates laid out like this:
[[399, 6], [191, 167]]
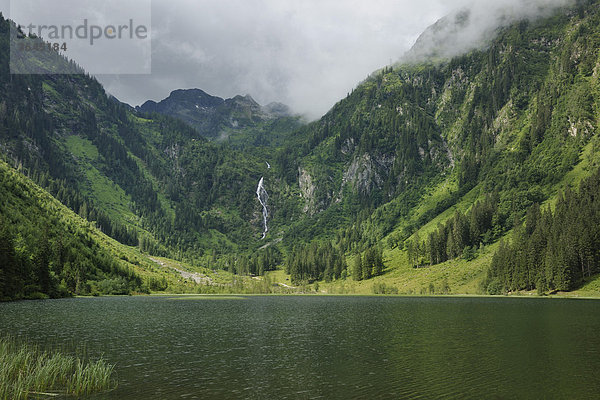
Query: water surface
[[326, 347]]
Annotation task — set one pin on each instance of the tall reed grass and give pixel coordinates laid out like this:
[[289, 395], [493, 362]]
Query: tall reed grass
[[26, 372]]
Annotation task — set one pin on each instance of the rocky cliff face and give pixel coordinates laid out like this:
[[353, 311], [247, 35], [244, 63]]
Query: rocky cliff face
[[307, 191]]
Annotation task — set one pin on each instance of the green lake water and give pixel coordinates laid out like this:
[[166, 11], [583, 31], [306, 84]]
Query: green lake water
[[326, 347]]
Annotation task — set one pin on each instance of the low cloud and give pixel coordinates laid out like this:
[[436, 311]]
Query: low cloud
[[307, 54], [474, 25]]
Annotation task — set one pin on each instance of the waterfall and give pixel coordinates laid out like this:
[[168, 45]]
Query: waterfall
[[263, 197], [268, 165]]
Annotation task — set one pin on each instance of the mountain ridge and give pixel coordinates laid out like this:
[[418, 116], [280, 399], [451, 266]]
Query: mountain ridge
[[427, 165], [210, 115]]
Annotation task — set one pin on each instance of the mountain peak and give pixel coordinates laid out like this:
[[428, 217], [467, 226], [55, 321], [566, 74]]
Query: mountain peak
[[247, 99], [209, 114], [276, 109], [197, 96]]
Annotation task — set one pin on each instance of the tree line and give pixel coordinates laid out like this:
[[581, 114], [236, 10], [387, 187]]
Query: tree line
[[368, 265], [554, 249], [460, 236], [315, 262]]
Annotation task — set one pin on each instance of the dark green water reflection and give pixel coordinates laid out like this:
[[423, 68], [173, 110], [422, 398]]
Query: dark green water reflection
[[327, 347]]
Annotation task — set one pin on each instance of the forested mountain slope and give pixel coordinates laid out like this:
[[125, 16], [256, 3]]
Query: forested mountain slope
[[45, 249], [151, 181], [472, 142], [428, 164]]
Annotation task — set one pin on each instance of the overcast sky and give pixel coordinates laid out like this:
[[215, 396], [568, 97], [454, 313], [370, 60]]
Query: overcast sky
[[305, 53]]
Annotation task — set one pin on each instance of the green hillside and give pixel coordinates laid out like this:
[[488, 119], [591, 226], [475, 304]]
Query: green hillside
[[47, 250], [434, 176], [436, 162]]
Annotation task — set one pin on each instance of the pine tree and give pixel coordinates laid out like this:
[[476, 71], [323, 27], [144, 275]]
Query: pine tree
[[378, 262], [42, 261], [8, 268], [357, 271]]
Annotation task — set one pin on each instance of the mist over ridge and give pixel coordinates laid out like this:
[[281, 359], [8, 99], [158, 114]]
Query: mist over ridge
[[474, 25]]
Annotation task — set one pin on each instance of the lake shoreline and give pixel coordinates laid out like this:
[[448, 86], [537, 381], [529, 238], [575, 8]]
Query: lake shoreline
[[515, 296], [236, 296]]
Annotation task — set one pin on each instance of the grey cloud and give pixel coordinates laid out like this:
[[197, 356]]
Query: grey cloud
[[475, 24], [307, 54]]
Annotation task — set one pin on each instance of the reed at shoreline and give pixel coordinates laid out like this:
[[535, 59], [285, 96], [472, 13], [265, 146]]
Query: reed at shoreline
[[26, 372]]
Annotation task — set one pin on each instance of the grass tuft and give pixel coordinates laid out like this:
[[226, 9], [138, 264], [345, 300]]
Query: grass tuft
[[27, 372]]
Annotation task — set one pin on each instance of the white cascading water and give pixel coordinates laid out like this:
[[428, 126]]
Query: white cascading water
[[263, 197]]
